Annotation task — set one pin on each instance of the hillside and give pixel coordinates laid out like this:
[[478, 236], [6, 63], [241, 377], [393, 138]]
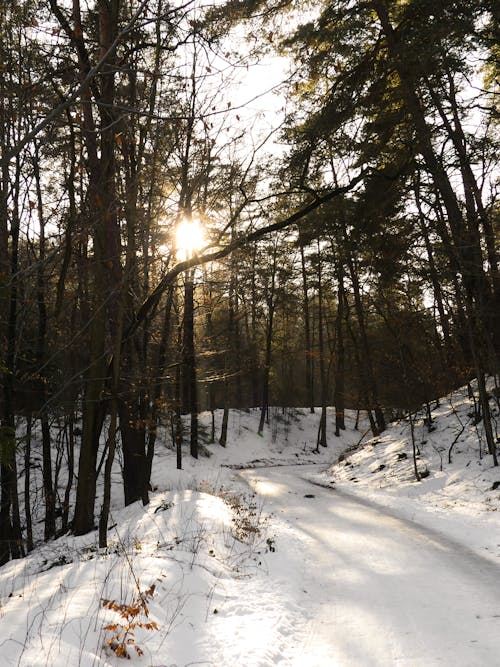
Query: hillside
[[221, 568]]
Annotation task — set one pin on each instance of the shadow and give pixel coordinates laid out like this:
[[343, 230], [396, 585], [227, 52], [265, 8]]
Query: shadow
[[382, 590]]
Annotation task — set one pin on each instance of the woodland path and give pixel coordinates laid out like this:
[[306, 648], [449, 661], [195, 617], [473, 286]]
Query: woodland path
[[377, 589]]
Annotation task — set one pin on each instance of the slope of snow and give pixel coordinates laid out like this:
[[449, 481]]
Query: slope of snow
[[233, 564], [205, 542], [460, 494]]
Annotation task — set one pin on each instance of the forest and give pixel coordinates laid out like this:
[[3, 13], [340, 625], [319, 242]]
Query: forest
[[235, 204]]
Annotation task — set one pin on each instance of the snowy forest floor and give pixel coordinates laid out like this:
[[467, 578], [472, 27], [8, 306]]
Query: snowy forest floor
[[223, 561]]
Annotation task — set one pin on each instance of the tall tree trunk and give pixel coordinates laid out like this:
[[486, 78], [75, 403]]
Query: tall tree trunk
[[189, 364], [48, 487], [467, 243], [228, 366], [157, 391], [476, 215], [254, 374], [115, 383], [363, 391], [27, 484], [339, 395], [307, 333], [321, 438], [70, 453], [366, 354], [132, 412], [10, 522], [436, 285], [6, 434], [271, 305], [106, 247], [178, 429]]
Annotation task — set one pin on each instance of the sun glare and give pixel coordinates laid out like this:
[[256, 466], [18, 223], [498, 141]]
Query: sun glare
[[189, 238]]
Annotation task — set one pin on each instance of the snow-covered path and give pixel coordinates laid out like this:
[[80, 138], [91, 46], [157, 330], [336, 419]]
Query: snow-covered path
[[376, 589]]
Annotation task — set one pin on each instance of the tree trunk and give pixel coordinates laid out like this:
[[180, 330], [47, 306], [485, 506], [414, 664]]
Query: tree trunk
[[133, 436], [228, 366], [339, 395], [307, 333], [70, 452], [106, 502], [366, 355], [467, 243], [101, 198], [10, 522], [157, 391], [271, 305], [321, 439], [178, 429], [190, 387], [48, 487], [27, 484]]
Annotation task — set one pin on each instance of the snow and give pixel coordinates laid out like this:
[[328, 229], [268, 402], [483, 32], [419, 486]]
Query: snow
[[459, 499], [381, 590], [265, 553]]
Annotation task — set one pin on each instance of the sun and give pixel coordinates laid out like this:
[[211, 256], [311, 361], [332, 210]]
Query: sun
[[189, 238]]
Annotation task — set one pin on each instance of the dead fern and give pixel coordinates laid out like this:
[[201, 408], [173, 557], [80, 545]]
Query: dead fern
[[131, 616]]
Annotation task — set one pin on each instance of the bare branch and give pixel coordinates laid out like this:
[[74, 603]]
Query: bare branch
[[73, 97], [199, 260]]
